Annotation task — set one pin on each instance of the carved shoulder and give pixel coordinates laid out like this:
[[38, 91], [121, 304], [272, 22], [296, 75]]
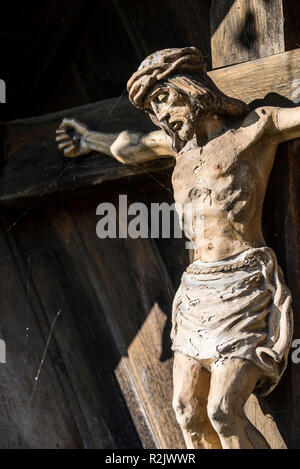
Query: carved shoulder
[[258, 124], [263, 116], [281, 123]]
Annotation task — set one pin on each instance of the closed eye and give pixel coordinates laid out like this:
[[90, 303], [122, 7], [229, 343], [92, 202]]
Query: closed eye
[[162, 98]]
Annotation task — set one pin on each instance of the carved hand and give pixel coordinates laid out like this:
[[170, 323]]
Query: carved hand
[[70, 137], [128, 147]]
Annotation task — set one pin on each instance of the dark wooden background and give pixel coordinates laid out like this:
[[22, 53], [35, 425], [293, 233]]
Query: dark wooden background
[[106, 379]]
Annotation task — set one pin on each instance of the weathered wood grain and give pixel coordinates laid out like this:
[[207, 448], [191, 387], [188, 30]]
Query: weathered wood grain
[[61, 262], [281, 232], [30, 149], [61, 48], [291, 14], [83, 338], [36, 55], [272, 78], [264, 422], [42, 419], [113, 338], [256, 79], [136, 295], [169, 23], [292, 245], [245, 30]]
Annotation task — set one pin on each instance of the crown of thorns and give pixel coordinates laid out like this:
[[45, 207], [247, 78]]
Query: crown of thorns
[[169, 62]]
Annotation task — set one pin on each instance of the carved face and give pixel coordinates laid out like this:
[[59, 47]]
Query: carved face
[[174, 110]]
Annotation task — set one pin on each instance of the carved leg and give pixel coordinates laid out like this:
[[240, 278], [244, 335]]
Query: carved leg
[[231, 384], [191, 387]]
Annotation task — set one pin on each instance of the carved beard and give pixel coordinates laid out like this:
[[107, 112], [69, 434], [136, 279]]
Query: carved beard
[[197, 113], [177, 143], [189, 123]]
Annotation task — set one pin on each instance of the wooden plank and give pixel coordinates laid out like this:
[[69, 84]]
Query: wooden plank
[[291, 14], [127, 281], [30, 148], [281, 227], [99, 51], [39, 419], [255, 79], [148, 30], [61, 37], [61, 278], [24, 261], [291, 220], [135, 407], [245, 30], [251, 30], [264, 422], [136, 296], [39, 52], [155, 193]]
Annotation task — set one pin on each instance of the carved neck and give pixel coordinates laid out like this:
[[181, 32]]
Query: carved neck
[[212, 127], [207, 129]]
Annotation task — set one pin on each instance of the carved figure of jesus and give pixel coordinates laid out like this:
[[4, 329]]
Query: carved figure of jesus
[[232, 320]]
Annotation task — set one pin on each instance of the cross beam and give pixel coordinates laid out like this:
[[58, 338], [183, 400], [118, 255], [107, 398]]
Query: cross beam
[[32, 161]]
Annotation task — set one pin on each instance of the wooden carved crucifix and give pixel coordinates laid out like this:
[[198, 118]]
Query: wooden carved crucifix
[[232, 321], [229, 188]]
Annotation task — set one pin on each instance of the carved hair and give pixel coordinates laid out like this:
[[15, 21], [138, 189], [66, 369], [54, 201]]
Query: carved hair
[[204, 92], [184, 70], [204, 96], [185, 64]]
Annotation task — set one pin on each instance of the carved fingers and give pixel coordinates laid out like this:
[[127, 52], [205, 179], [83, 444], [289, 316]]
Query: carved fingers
[[75, 125], [69, 137]]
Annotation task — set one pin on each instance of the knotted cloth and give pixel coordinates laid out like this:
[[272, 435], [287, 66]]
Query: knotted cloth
[[236, 308]]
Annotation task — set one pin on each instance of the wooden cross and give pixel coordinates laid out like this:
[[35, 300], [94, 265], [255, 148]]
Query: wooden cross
[[30, 143], [32, 165]]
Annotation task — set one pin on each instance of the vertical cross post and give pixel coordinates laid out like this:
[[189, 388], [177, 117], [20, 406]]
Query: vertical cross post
[[241, 31]]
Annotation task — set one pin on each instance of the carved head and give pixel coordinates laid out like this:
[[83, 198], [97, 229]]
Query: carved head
[[173, 87]]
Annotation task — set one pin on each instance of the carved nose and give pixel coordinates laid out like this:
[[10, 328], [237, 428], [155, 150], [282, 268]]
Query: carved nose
[[164, 115]]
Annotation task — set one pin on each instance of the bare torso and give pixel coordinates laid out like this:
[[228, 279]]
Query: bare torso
[[226, 181]]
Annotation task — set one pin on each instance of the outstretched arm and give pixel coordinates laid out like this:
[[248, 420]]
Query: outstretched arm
[[128, 147], [287, 123]]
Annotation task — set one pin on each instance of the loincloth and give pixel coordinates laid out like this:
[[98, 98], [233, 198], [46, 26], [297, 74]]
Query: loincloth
[[236, 308]]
